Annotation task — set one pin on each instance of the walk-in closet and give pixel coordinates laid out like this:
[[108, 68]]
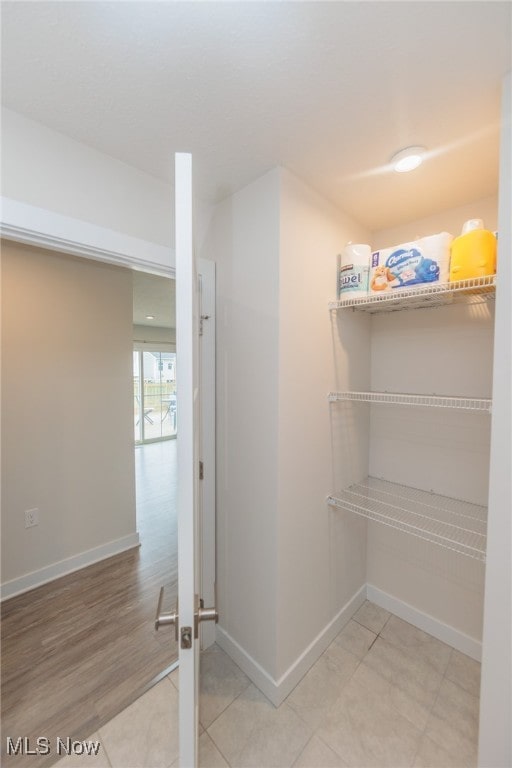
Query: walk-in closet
[[415, 398]]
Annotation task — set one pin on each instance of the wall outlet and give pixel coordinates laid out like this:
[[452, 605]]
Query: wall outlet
[[31, 517]]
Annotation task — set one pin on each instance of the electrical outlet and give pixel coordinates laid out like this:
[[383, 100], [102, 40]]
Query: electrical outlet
[[31, 517]]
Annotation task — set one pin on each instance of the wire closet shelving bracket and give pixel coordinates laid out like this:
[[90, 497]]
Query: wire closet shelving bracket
[[430, 401], [473, 290], [450, 523]]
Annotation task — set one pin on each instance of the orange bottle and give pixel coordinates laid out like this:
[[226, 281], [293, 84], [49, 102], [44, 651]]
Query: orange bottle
[[473, 253]]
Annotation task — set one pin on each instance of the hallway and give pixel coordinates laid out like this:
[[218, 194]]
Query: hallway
[[80, 649]]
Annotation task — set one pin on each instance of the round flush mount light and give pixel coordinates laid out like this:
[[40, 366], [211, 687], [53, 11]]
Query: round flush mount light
[[408, 159], [150, 317]]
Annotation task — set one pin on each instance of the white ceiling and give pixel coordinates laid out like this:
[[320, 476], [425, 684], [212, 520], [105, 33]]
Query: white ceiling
[[154, 295], [329, 90]]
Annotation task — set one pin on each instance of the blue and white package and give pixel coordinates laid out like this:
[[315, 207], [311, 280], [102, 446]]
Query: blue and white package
[[426, 260]]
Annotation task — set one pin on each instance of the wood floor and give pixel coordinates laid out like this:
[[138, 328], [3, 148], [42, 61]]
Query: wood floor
[[76, 651]]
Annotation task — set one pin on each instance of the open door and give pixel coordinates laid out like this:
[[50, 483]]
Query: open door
[[190, 611]]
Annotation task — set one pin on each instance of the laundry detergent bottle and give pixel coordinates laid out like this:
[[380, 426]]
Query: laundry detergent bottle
[[473, 253]]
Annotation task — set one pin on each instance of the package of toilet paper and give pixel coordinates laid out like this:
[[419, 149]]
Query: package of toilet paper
[[353, 269], [426, 260]]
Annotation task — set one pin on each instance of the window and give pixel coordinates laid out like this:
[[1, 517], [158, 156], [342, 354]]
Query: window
[[154, 395]]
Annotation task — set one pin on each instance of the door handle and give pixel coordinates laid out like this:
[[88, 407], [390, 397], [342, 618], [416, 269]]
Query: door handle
[[204, 614], [164, 619], [200, 614]]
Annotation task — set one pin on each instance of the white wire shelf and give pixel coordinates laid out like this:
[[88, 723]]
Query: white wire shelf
[[430, 401], [450, 523], [474, 290]]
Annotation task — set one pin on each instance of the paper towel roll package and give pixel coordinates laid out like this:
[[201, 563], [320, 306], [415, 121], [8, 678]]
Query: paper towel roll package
[[426, 260], [353, 269]]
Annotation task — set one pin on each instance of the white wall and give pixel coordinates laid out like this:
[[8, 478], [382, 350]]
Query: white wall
[[49, 170], [322, 551], [279, 546], [67, 430], [495, 744], [450, 220], [449, 351], [244, 237]]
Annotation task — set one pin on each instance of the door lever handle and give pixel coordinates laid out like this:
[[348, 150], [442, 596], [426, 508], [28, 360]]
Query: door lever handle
[[200, 614], [208, 614], [204, 614], [164, 619]]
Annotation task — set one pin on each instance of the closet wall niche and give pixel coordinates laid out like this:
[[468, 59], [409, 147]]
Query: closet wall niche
[[422, 413]]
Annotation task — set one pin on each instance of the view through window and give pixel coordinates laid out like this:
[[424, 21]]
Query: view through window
[[154, 395]]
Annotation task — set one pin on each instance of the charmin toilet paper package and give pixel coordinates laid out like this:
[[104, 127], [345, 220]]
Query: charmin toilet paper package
[[353, 269], [426, 260]]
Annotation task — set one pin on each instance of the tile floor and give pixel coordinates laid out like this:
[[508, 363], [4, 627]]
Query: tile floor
[[383, 694]]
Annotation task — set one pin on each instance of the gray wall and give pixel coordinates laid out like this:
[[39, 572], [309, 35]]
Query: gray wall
[[67, 407]]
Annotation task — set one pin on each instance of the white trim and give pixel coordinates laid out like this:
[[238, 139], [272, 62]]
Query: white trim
[[153, 346], [247, 664], [444, 632], [207, 394], [31, 225], [187, 490], [278, 690], [69, 565]]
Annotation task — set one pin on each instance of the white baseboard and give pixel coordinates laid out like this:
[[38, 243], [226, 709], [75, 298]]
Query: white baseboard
[[278, 690], [252, 669], [70, 564], [427, 623]]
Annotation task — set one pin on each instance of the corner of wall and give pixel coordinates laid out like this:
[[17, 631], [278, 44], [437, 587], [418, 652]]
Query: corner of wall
[[316, 563], [495, 743], [243, 240]]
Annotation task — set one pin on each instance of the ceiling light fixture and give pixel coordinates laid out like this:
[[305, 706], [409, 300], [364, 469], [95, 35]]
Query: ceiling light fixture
[[408, 159], [150, 317]]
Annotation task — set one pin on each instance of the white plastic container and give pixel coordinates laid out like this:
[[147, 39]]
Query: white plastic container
[[353, 269]]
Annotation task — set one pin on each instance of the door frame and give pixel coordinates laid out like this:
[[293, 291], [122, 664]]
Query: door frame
[[30, 225]]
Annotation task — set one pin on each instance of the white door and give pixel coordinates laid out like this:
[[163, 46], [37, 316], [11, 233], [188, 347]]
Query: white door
[[190, 611], [192, 530], [187, 337]]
